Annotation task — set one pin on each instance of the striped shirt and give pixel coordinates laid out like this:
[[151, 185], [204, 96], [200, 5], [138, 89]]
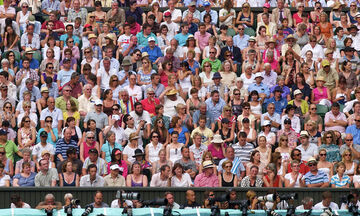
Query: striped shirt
[[319, 177], [335, 180], [243, 152], [62, 147], [100, 164]]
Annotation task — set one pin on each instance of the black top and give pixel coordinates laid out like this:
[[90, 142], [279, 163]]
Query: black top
[[227, 184]]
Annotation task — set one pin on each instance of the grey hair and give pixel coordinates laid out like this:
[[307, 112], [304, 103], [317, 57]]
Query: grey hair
[[50, 196], [280, 77], [306, 200], [86, 85], [202, 104], [27, 150], [4, 61], [29, 80], [151, 89], [89, 133], [68, 196], [109, 133], [66, 87], [267, 64], [124, 90]]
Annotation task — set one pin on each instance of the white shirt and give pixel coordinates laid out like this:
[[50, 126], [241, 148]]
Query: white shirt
[[247, 82], [130, 152], [269, 80], [318, 51], [169, 106], [173, 28], [184, 182], [320, 206], [145, 116], [105, 77], [311, 151], [12, 205], [295, 123], [174, 14], [157, 182], [38, 148], [356, 41], [135, 92], [87, 105], [56, 114], [119, 134]]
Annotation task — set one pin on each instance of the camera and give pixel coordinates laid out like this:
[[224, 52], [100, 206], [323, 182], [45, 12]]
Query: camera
[[269, 197], [349, 201], [75, 202], [222, 198], [127, 196], [291, 196], [88, 209]]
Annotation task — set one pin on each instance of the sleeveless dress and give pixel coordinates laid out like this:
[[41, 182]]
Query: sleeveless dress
[[352, 19], [225, 183], [256, 109], [69, 184], [350, 171], [236, 109], [154, 152], [193, 108], [285, 156], [135, 184], [54, 77], [325, 170], [108, 110], [175, 154]]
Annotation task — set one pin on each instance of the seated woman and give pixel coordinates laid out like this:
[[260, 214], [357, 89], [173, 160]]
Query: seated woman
[[99, 136], [340, 180], [329, 144], [255, 160], [52, 132], [8, 114], [26, 134], [217, 148], [294, 178], [152, 149], [350, 165], [321, 94], [88, 144], [179, 177], [226, 178], [252, 179], [75, 130], [26, 178], [136, 178], [27, 113], [109, 145], [160, 129], [272, 179], [71, 111], [183, 132], [68, 177]]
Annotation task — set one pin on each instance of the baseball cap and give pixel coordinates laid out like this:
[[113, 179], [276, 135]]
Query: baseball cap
[[167, 14], [43, 134]]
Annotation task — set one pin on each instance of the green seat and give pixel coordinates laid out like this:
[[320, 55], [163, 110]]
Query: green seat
[[36, 55], [321, 110], [342, 107], [249, 31], [231, 32]]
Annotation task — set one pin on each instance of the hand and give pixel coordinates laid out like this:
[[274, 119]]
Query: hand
[[142, 123], [267, 118]]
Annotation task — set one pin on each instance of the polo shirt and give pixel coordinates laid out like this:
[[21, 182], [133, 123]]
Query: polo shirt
[[335, 180], [275, 117], [62, 147], [215, 65], [341, 116], [203, 40], [262, 88], [64, 76], [158, 90], [319, 177], [42, 180], [355, 132], [10, 148], [202, 180], [101, 119], [85, 181], [330, 78], [119, 181], [243, 152], [154, 53], [181, 38]]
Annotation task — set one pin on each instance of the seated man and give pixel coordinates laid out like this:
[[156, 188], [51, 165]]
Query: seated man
[[188, 164], [161, 179], [260, 87], [207, 178], [278, 100], [315, 177], [98, 201], [190, 201], [16, 202], [219, 86], [46, 177], [153, 50], [114, 179], [335, 120], [205, 132], [271, 116], [92, 179], [49, 203]]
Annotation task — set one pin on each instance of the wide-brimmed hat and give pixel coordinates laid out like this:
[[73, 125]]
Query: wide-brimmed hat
[[297, 91], [91, 36], [29, 50], [45, 152], [320, 78], [252, 38], [138, 152], [304, 133], [133, 136], [217, 139], [311, 160], [111, 36], [126, 62], [208, 164], [271, 40], [172, 92], [290, 36], [336, 5]]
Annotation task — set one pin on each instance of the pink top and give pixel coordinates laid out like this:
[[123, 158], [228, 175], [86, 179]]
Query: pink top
[[123, 168], [215, 153], [231, 121], [276, 54], [318, 96], [274, 64], [202, 180], [297, 18], [87, 148]]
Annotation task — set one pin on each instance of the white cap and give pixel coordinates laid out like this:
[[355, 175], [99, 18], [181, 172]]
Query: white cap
[[297, 91], [98, 102], [258, 74], [151, 39], [114, 167], [266, 122]]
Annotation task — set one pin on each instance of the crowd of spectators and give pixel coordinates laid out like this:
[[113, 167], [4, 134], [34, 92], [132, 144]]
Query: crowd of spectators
[[179, 98]]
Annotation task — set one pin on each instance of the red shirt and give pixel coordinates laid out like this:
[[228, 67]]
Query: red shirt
[[150, 106], [303, 168], [136, 29], [57, 25]]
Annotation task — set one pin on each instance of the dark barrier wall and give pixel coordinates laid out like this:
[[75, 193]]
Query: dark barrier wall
[[34, 195]]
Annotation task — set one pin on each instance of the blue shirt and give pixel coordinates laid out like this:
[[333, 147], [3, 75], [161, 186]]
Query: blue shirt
[[34, 64], [320, 177], [215, 110], [262, 88], [280, 105], [50, 5], [181, 38], [64, 76], [355, 132], [62, 147], [74, 37], [193, 68], [48, 140], [107, 149], [26, 182], [143, 41], [286, 91], [181, 138], [209, 118], [241, 42], [154, 53], [214, 16]]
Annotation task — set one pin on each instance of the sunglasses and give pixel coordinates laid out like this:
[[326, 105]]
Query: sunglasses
[[313, 109], [329, 137], [211, 52], [11, 55], [115, 109], [27, 121], [349, 140], [297, 154], [237, 94], [357, 120], [87, 52], [71, 41], [322, 154], [160, 122], [347, 154], [91, 137], [227, 166], [310, 165], [51, 67], [2, 153], [8, 107], [155, 136], [49, 121], [115, 80]]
